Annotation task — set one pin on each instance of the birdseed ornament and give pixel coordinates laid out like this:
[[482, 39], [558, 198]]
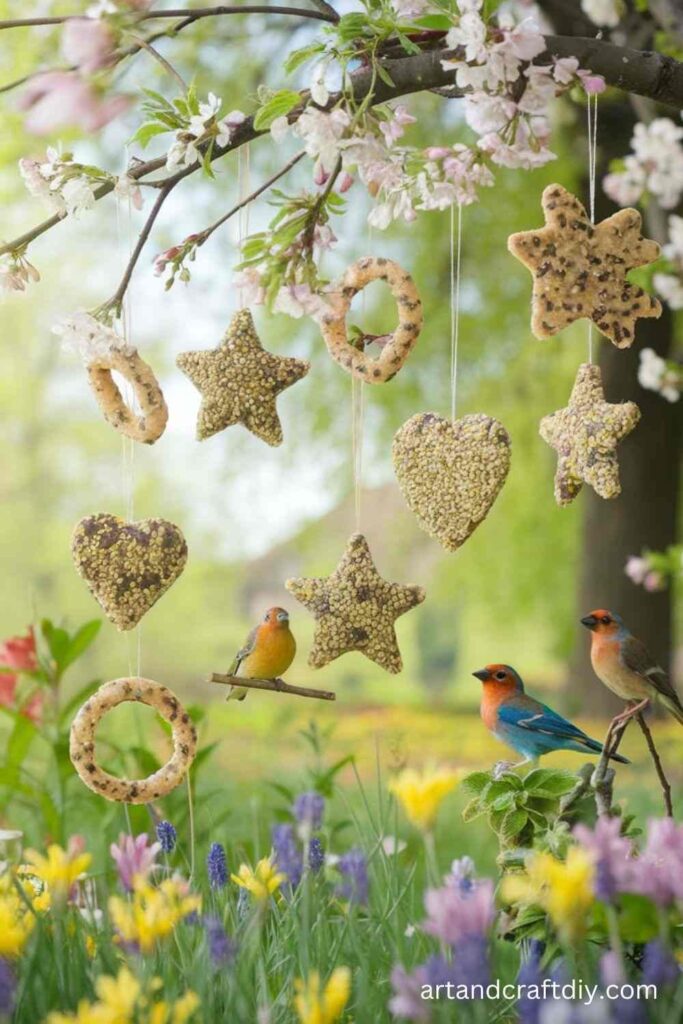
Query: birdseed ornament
[[579, 269], [355, 609], [395, 352], [585, 436], [151, 423], [239, 382], [451, 471], [82, 741], [127, 566]]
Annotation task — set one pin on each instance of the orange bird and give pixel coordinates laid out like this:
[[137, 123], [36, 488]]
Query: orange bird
[[267, 653], [624, 665]]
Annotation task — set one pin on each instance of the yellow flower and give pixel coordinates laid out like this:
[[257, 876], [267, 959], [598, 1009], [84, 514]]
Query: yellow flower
[[16, 924], [564, 889], [119, 995], [122, 1001], [34, 888], [60, 868], [153, 912], [261, 882], [318, 1004], [421, 793]]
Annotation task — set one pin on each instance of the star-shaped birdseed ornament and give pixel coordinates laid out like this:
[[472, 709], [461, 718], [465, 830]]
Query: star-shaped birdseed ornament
[[239, 382], [579, 269], [585, 436], [355, 609]]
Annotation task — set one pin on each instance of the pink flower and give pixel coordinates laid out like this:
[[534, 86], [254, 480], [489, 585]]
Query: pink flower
[[654, 581], [393, 129], [88, 43], [637, 569], [593, 84], [659, 873], [19, 653], [456, 912], [134, 858], [58, 98]]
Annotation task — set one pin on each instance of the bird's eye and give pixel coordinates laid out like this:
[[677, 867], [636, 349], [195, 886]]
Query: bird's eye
[[500, 675], [282, 616], [606, 620]]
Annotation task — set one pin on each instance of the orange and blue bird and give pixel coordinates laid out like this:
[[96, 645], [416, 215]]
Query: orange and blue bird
[[267, 652], [526, 725], [624, 665]]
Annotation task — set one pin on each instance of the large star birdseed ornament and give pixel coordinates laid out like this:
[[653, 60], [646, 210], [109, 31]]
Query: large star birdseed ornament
[[451, 471], [579, 269], [585, 436], [239, 382], [127, 566], [355, 609]]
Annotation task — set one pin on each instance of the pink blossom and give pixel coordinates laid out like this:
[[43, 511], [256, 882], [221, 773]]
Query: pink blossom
[[593, 84], [58, 98], [19, 653], [393, 129], [134, 858], [88, 43], [525, 40], [345, 182], [659, 875], [637, 569], [654, 581]]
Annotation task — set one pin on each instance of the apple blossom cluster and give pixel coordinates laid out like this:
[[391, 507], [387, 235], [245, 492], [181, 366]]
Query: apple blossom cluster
[[653, 569], [201, 126], [16, 272], [89, 336], [660, 375], [654, 168]]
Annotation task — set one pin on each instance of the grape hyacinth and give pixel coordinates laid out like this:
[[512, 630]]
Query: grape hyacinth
[[167, 836], [222, 949], [217, 866], [288, 856], [659, 965], [316, 855], [354, 869], [308, 810], [8, 984]]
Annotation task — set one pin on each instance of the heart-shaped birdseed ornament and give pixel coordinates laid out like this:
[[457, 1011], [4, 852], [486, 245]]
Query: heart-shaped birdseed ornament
[[450, 472], [127, 566]]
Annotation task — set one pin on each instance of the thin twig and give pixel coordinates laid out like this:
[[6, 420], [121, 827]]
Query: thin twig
[[117, 298], [190, 15], [602, 781], [207, 232], [276, 685], [666, 787], [143, 44]]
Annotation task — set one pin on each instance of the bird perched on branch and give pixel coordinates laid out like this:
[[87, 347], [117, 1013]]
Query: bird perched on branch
[[268, 652], [526, 725], [624, 665]]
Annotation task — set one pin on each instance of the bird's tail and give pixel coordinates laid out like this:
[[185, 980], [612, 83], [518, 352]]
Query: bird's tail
[[597, 747], [673, 704], [236, 693]]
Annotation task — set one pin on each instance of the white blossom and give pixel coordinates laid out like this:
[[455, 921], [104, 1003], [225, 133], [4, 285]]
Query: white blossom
[[279, 129], [655, 374], [322, 134], [602, 12], [89, 338], [78, 195], [297, 300], [128, 188], [319, 91], [673, 250], [670, 287]]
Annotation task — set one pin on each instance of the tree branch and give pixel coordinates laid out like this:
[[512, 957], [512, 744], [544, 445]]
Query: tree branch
[[276, 685], [324, 13], [117, 297], [666, 787]]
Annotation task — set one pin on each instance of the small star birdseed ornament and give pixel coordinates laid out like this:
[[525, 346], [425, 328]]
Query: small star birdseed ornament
[[585, 436], [127, 566], [355, 609], [579, 269], [239, 382], [451, 472]]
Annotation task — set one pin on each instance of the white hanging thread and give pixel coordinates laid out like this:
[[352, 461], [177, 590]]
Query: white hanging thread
[[243, 176], [592, 127], [455, 260]]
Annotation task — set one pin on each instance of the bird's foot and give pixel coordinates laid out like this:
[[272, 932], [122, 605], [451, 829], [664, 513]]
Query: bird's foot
[[630, 712]]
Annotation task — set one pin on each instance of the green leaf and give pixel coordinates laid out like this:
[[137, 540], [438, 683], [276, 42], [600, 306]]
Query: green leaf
[[638, 921], [512, 824], [384, 75], [476, 782], [57, 640], [20, 739], [69, 709], [504, 802], [278, 105], [473, 809], [549, 782], [80, 641], [147, 131], [353, 26], [299, 57]]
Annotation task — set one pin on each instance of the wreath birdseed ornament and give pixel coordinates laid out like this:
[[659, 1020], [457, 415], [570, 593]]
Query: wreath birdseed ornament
[[585, 436], [127, 566], [451, 472], [579, 269], [82, 741], [355, 609], [239, 382], [395, 352]]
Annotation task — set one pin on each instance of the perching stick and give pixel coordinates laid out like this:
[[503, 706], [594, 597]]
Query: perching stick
[[278, 685]]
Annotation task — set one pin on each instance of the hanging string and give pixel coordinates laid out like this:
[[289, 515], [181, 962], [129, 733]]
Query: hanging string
[[243, 186], [455, 260], [592, 130], [357, 418]]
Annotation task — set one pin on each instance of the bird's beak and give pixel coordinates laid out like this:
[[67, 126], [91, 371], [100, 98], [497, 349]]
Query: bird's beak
[[481, 673], [589, 621]]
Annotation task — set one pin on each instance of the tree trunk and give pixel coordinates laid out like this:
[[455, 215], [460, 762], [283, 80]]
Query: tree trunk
[[645, 514]]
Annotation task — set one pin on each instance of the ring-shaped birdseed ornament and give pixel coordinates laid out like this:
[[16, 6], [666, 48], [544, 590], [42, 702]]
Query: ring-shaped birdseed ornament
[[151, 423], [82, 741], [395, 352]]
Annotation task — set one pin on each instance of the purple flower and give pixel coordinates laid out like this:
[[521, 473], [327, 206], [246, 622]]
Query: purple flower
[[659, 874], [221, 947], [454, 914], [288, 856], [471, 961], [659, 965], [308, 811], [8, 984], [407, 1001], [354, 869], [530, 974], [316, 855], [167, 836], [217, 866], [615, 865], [134, 858], [461, 874]]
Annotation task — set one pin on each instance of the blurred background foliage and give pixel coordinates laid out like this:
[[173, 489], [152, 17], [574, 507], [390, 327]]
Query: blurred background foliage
[[252, 515]]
